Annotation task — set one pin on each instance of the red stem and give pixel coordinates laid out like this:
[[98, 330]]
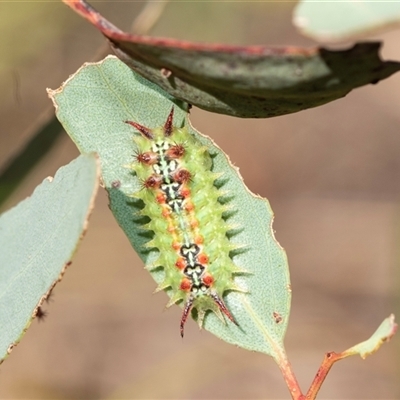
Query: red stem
[[291, 381], [327, 363], [289, 377]]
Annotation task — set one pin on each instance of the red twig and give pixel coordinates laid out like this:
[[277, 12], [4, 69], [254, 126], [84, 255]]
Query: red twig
[[327, 363], [289, 376]]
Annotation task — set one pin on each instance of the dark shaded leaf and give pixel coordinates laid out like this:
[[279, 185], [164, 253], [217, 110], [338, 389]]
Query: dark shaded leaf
[[253, 81]]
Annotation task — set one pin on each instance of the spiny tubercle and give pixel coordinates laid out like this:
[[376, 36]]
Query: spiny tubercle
[[165, 173]]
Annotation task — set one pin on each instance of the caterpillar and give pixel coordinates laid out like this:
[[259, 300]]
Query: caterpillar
[[181, 200]]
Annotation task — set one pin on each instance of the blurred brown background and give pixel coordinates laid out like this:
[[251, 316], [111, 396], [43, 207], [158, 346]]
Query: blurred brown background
[[331, 175]]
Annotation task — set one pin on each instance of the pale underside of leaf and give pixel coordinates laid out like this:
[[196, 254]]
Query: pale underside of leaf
[[38, 238], [348, 20]]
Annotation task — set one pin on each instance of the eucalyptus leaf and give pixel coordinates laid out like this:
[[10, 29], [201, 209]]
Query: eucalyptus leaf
[[92, 106], [38, 238], [244, 81], [344, 20], [383, 334]]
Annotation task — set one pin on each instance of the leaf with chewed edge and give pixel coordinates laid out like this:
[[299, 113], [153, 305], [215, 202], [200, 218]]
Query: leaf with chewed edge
[[383, 334], [38, 238], [92, 106]]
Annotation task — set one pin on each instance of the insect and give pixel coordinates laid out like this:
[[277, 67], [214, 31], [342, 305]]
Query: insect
[[41, 314], [190, 233]]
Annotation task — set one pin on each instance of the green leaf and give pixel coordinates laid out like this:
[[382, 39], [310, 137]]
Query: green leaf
[[383, 334], [92, 106], [38, 237], [341, 20], [249, 82]]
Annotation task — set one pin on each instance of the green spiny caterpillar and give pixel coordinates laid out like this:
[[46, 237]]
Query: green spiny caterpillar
[[181, 200]]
